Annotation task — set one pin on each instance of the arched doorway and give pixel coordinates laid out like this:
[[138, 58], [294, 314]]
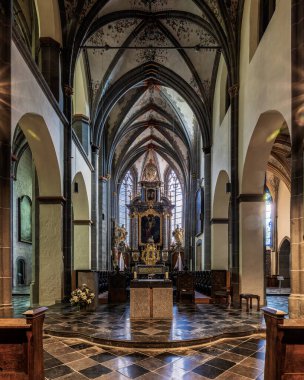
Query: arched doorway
[[284, 262], [199, 255], [21, 278], [47, 262], [257, 163]]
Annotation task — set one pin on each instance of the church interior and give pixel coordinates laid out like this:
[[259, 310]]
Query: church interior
[[151, 189]]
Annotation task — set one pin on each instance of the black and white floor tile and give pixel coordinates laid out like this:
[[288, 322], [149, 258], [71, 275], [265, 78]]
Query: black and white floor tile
[[73, 359]]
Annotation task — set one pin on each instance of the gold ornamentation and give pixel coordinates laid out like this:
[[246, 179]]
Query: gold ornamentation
[[150, 254]]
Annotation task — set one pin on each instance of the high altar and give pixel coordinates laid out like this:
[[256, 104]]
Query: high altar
[[150, 223]]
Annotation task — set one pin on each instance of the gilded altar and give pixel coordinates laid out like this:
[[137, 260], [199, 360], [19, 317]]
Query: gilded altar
[[150, 255]]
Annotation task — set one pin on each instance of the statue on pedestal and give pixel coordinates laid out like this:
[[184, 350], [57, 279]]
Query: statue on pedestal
[[178, 235], [120, 235]]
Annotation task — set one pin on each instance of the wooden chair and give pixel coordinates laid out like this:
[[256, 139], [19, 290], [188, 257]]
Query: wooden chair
[[225, 293], [185, 286]]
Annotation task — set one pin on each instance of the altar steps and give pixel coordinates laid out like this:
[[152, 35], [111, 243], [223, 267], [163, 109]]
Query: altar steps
[[201, 298]]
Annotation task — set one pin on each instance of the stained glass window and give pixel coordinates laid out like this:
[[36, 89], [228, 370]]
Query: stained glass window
[[268, 219], [125, 195], [174, 192]]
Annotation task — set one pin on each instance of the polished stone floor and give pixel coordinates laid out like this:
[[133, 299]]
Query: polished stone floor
[[191, 324], [175, 348], [234, 359]]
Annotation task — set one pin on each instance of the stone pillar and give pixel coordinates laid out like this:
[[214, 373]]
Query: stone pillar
[[207, 209], [220, 249], [82, 244], [5, 158], [50, 64], [251, 266], [94, 212], [235, 211], [51, 260], [67, 191], [34, 287], [165, 233], [296, 299], [102, 254]]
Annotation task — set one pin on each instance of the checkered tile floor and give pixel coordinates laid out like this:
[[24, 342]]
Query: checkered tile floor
[[73, 359], [190, 322]]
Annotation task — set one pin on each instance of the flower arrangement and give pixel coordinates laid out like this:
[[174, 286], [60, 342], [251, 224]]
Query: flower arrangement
[[82, 296]]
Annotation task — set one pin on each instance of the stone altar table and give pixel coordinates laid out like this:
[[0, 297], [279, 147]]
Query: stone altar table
[[151, 299]]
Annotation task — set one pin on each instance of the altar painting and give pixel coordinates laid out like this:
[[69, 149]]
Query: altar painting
[[150, 228]]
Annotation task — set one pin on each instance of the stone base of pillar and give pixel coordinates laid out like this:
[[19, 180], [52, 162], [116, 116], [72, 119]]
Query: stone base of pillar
[[296, 306]]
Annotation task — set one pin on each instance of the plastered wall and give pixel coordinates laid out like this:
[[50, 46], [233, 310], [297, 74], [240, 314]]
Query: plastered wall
[[22, 186], [265, 81]]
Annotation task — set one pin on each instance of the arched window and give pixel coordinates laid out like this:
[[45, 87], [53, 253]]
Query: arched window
[[20, 272], [125, 194], [174, 192], [268, 220]]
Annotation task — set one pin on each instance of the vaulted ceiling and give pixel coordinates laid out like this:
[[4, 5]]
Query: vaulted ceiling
[[151, 67]]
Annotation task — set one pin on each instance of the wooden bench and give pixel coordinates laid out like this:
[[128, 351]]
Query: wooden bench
[[249, 297], [284, 346], [21, 348]]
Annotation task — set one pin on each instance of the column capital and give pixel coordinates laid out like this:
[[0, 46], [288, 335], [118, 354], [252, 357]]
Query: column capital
[[95, 148], [251, 198], [68, 90], [85, 222], [233, 90], [51, 200]]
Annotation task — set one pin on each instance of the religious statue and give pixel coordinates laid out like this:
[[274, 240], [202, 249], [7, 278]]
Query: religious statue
[[120, 235], [178, 235]]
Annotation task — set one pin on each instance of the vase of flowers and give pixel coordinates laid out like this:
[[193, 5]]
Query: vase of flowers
[[82, 297]]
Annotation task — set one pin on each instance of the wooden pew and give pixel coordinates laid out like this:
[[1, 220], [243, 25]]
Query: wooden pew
[[284, 346], [21, 348]]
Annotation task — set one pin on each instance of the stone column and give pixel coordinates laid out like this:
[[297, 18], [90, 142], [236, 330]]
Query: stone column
[[219, 233], [34, 287], [5, 158], [296, 299], [251, 266], [165, 233], [207, 209], [50, 64], [102, 254], [82, 244], [51, 260], [67, 191], [94, 212], [235, 212]]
